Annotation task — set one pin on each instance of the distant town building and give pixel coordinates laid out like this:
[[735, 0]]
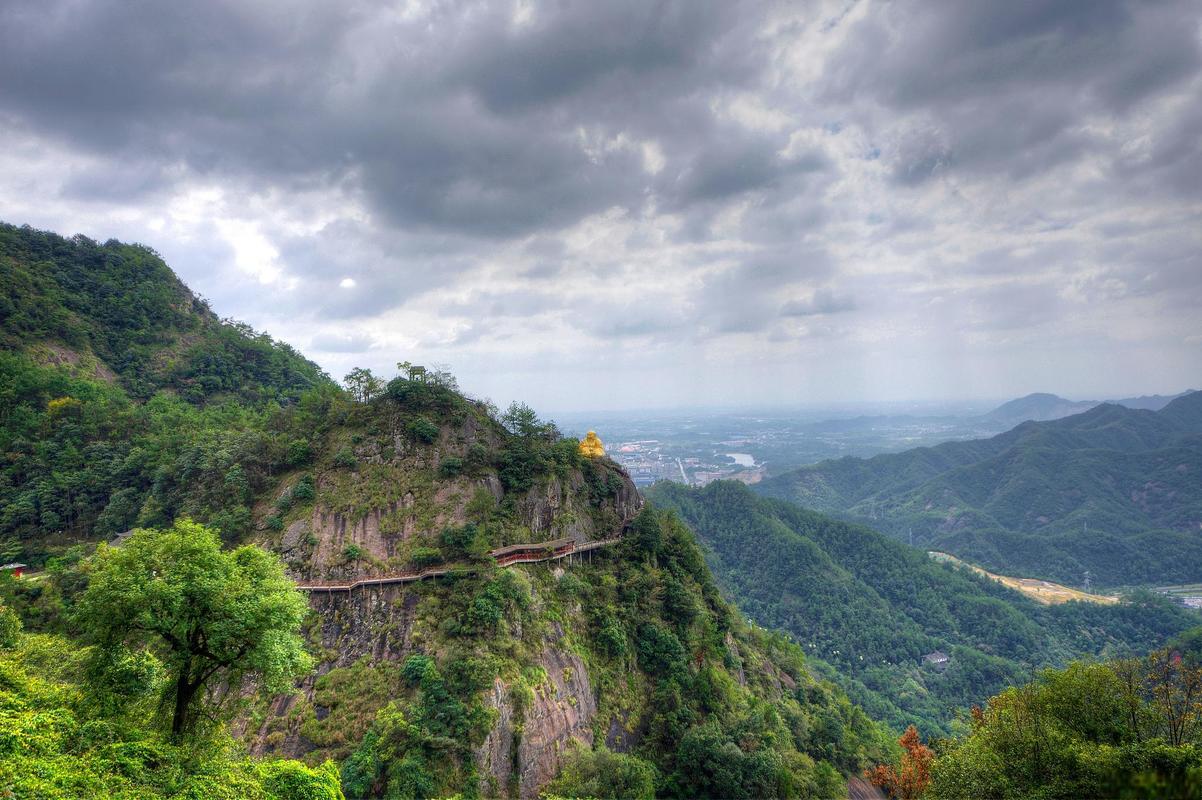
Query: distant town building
[[16, 569], [937, 659]]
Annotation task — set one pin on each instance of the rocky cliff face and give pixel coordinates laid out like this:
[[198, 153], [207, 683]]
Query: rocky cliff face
[[367, 518], [397, 495], [375, 626], [487, 679], [558, 717]]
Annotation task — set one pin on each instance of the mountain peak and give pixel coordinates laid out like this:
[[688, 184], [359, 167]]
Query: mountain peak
[[1186, 410], [1039, 407]]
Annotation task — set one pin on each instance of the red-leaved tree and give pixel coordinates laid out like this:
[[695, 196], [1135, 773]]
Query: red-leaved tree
[[911, 779]]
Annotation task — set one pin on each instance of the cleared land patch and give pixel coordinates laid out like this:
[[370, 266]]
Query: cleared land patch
[[1044, 592]]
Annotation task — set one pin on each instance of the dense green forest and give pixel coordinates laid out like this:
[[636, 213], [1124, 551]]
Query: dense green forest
[[1130, 728], [89, 715], [872, 607], [118, 312], [125, 404], [1113, 491]]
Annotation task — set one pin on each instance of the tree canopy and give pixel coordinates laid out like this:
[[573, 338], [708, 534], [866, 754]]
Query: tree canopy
[[1127, 728], [214, 617]]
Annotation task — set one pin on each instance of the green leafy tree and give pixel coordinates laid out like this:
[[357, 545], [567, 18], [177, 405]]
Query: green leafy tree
[[601, 773], [521, 420], [362, 384], [213, 618]]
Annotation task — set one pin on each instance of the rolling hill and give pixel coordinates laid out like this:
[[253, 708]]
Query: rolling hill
[[1038, 407], [873, 608], [116, 312], [1114, 491]]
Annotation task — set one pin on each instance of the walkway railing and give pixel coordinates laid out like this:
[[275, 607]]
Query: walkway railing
[[530, 556]]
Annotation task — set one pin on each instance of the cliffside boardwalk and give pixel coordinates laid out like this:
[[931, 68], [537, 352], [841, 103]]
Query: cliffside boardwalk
[[504, 556]]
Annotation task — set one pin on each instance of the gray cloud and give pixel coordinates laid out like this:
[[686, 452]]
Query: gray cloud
[[823, 301], [459, 120], [517, 186], [333, 343], [1012, 86]]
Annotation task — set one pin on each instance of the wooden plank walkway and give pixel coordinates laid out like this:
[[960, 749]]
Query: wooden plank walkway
[[529, 554]]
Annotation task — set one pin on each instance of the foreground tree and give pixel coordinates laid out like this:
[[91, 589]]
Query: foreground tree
[[215, 619]]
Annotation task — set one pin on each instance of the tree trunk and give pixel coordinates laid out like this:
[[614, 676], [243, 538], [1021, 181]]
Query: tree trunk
[[185, 689]]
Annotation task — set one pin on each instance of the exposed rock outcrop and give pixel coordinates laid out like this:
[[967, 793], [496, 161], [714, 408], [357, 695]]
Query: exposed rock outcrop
[[560, 716]]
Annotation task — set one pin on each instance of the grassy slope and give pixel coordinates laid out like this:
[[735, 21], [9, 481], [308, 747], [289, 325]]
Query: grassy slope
[[1113, 490], [872, 607]]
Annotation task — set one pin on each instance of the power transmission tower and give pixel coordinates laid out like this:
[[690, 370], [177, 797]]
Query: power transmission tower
[[1088, 579]]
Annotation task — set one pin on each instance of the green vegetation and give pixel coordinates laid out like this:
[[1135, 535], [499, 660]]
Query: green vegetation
[[213, 619], [1124, 729], [58, 741], [118, 312], [1114, 491], [124, 402], [872, 607], [534, 448], [82, 460], [171, 631], [720, 709], [601, 773]]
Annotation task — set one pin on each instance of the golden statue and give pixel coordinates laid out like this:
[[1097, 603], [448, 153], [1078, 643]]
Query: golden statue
[[591, 446]]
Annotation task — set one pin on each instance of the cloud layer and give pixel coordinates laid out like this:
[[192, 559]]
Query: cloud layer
[[621, 204]]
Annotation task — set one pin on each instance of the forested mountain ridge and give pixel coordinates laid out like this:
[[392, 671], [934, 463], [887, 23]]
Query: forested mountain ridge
[[119, 313], [124, 401], [1113, 490], [620, 675], [873, 607]]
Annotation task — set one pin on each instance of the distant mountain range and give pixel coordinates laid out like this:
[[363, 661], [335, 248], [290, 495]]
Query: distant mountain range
[[1114, 490], [1038, 407], [1042, 407]]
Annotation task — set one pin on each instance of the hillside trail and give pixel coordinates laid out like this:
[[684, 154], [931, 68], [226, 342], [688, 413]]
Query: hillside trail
[[505, 557]]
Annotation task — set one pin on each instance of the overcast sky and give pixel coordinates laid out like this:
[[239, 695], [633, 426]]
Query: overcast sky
[[599, 205]]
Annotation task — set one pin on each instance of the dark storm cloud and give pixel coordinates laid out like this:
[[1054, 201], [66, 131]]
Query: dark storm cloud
[[616, 54], [1011, 86], [111, 181], [461, 120]]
